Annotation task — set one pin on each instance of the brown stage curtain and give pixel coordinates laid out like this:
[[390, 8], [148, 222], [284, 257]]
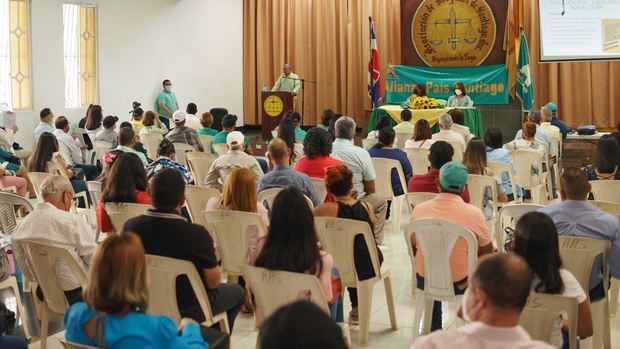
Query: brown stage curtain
[[326, 41], [586, 93]]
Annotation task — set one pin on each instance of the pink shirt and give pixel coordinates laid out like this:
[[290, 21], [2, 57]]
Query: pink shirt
[[480, 336], [453, 209]]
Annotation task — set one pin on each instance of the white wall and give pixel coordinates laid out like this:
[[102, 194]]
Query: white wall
[[195, 43]]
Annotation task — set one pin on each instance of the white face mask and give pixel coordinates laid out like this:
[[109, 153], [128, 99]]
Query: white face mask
[[168, 88], [464, 306], [458, 92]]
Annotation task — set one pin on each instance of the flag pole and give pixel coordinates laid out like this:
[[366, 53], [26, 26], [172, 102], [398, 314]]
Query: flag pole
[[372, 91]]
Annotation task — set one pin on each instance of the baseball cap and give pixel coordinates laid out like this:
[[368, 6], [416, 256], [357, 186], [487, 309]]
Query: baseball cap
[[109, 121], [235, 137], [551, 106], [229, 120], [453, 177], [179, 115]]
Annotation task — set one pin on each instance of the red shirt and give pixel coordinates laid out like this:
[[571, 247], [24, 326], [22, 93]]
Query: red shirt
[[429, 183], [103, 220], [315, 168]]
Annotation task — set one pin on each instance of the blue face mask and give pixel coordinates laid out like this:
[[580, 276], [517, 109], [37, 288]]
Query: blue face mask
[[168, 88]]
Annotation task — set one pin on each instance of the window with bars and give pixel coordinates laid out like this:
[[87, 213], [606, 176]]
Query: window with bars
[[15, 79], [80, 54]]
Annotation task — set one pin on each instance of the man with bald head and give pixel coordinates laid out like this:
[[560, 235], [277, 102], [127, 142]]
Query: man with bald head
[[498, 292], [283, 175]]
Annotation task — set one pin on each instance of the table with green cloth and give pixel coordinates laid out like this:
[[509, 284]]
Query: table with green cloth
[[473, 118]]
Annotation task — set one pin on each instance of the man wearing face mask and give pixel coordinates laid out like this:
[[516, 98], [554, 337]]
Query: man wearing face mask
[[167, 103], [491, 305], [460, 99], [52, 223]]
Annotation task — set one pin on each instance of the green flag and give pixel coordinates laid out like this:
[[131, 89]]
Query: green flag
[[525, 85]]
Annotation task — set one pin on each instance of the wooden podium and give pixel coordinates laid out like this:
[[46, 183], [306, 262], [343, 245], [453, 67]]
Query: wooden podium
[[274, 105]]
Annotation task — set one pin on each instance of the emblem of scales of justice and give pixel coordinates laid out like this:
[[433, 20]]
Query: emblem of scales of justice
[[454, 38]]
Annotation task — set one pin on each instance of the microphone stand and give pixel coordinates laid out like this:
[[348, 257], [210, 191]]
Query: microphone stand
[[303, 94]]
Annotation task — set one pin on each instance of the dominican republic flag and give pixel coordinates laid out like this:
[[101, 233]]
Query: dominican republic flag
[[373, 68]]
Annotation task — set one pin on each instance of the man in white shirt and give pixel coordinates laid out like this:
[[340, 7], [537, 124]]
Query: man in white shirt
[[446, 133], [45, 125], [458, 126], [51, 222], [234, 158], [72, 149], [492, 304], [405, 125]]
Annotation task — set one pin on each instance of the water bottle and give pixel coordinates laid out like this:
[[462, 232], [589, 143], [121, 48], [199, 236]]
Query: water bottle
[[265, 89]]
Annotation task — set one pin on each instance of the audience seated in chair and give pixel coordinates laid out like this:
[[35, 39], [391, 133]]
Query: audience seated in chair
[[317, 150], [152, 124], [498, 292], [555, 120], [283, 175], [166, 158], [164, 232], [113, 312], [46, 125], [359, 162], [607, 160], [125, 182], [493, 139], [574, 216], [72, 149], [458, 117], [536, 240], [405, 125], [440, 154], [206, 120], [446, 133], [422, 136], [108, 134], [126, 143], [452, 181], [339, 183], [286, 132], [528, 143], [52, 223], [235, 158], [539, 135], [183, 134], [385, 149], [229, 123]]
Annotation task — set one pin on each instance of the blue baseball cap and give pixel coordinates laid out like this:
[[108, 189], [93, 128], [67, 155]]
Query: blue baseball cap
[[551, 106], [453, 177]]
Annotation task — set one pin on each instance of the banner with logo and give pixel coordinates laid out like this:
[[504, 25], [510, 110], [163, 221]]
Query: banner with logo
[[486, 84]]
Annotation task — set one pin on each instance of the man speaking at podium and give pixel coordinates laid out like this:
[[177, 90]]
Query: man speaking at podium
[[288, 81]]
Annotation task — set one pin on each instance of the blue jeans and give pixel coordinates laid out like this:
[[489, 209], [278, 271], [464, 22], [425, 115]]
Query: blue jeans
[[91, 172], [12, 342], [459, 288]]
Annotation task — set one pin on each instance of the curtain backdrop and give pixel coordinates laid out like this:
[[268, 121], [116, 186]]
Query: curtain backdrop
[[326, 41]]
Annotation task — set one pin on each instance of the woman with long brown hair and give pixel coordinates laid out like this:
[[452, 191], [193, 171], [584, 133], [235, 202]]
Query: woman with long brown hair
[[115, 301], [422, 136]]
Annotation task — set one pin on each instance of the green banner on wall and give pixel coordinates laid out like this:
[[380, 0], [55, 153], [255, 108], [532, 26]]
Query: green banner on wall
[[486, 84]]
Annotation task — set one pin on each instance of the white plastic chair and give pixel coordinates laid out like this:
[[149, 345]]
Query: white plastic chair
[[101, 147], [508, 217], [458, 150], [42, 260], [199, 164], [37, 179], [267, 196], [418, 157], [94, 191], [88, 154], [180, 149], [151, 143], [500, 168], [436, 239], [162, 278], [319, 188], [206, 142], [402, 138], [417, 198], [542, 311], [578, 256], [70, 345], [383, 186], [230, 229], [337, 236], [524, 160], [121, 212], [220, 148], [55, 168], [477, 185], [606, 190], [368, 143], [196, 199]]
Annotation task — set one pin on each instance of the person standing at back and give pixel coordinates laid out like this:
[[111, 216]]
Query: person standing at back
[[167, 103]]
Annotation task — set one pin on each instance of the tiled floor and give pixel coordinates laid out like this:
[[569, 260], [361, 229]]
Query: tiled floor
[[381, 335]]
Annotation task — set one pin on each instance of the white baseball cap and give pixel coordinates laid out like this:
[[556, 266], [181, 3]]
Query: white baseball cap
[[235, 137], [179, 115]]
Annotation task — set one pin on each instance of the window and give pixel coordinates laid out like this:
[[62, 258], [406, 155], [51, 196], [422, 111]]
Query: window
[[15, 79], [80, 54]]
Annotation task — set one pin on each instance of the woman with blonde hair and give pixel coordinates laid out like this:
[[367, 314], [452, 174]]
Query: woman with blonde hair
[[206, 121], [115, 301]]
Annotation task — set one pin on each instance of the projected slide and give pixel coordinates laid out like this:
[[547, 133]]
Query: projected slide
[[574, 30]]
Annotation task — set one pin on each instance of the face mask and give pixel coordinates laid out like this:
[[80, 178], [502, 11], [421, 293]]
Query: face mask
[[458, 92], [464, 306], [168, 88]]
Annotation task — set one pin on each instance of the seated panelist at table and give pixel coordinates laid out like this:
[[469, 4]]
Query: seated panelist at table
[[288, 81], [460, 99]]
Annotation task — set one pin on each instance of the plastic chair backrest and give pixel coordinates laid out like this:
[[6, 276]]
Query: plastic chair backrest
[[54, 168], [196, 199], [542, 311], [606, 190], [162, 278], [230, 229], [524, 160], [70, 345], [477, 185], [206, 142], [180, 149], [458, 150], [436, 239], [220, 148], [500, 168], [368, 143], [102, 147], [337, 236], [267, 196], [418, 157], [414, 199], [275, 288], [121, 212], [37, 179], [199, 163], [42, 261], [512, 213], [319, 188], [94, 190], [8, 203], [151, 142], [579, 254], [613, 208], [383, 182], [403, 137]]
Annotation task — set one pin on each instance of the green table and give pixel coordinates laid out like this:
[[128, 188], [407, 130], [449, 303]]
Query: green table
[[473, 118]]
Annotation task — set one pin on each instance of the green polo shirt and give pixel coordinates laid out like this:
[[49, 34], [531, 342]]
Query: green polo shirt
[[220, 138], [170, 100]]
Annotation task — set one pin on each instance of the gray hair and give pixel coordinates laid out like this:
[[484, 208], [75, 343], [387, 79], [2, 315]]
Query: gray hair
[[345, 127], [445, 120], [288, 66], [546, 114], [535, 116], [53, 187]]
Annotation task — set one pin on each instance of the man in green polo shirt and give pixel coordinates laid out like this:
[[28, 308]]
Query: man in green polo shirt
[[288, 81], [167, 103], [229, 122]]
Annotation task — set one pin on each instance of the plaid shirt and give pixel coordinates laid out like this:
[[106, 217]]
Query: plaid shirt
[[162, 163], [183, 134]]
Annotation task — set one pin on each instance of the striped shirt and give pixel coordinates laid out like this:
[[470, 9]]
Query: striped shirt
[[357, 160]]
